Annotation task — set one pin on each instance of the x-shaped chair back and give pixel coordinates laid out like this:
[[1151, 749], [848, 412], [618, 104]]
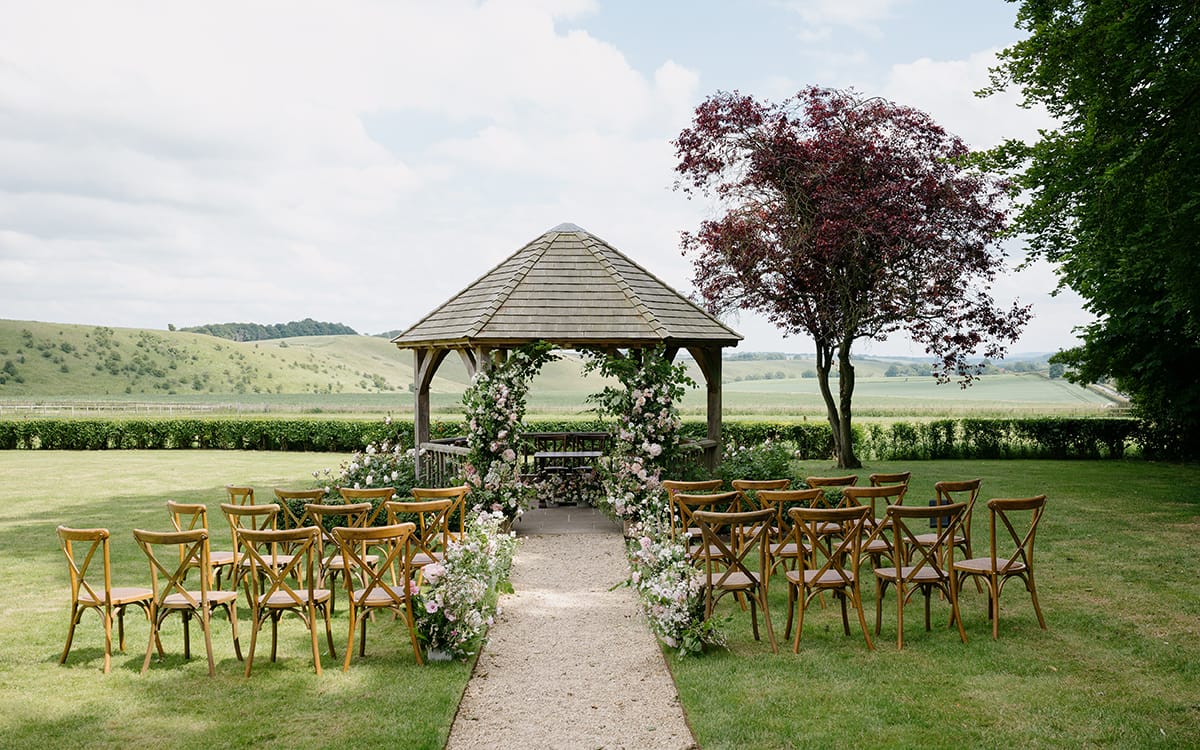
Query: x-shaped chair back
[[726, 542], [1002, 510], [688, 505], [826, 567], [848, 480], [282, 579], [192, 516], [456, 516], [247, 517], [674, 487], [376, 496], [292, 503], [431, 519], [917, 565], [325, 517], [93, 547], [956, 492], [239, 495], [171, 593], [386, 577]]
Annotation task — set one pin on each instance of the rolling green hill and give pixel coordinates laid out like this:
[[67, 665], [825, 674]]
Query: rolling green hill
[[49, 361]]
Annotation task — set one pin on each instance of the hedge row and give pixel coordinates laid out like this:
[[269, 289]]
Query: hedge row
[[949, 438]]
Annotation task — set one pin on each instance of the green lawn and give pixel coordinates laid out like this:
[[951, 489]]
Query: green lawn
[[1118, 667], [384, 700]]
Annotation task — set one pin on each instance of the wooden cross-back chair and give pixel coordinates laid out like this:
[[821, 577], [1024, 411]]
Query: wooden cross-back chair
[[240, 518], [239, 494], [280, 583], [192, 516], [171, 594], [955, 492], [726, 543], [1016, 561], [92, 589], [826, 567], [456, 516], [376, 496], [688, 505], [386, 583], [927, 567], [783, 549], [325, 517], [431, 535], [292, 503], [674, 487], [877, 544]]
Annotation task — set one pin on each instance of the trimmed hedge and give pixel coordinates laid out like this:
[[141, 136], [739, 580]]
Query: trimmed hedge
[[948, 438]]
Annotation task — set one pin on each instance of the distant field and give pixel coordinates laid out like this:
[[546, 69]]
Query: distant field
[[55, 369]]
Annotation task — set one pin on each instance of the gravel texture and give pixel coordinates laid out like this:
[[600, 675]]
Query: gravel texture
[[570, 664]]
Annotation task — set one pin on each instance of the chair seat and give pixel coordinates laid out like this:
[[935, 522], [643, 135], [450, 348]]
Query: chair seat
[[786, 549], [983, 565], [179, 601], [280, 561], [876, 546], [421, 559], [378, 597], [336, 562], [122, 595], [931, 538], [735, 581], [829, 529], [924, 575], [281, 599], [828, 579], [218, 558]]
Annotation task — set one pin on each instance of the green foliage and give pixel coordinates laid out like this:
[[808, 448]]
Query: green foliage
[[259, 332], [1113, 194], [769, 459]]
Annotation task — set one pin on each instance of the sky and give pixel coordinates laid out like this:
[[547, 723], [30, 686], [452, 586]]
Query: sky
[[361, 161]]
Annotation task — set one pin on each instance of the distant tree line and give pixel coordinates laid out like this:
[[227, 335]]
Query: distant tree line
[[259, 332]]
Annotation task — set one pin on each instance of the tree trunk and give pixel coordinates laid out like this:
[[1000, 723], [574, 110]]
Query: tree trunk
[[824, 365], [845, 442]]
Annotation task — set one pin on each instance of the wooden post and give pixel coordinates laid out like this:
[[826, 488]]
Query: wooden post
[[709, 361], [425, 364]]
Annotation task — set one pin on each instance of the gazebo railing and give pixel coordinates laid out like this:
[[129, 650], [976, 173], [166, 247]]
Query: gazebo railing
[[442, 462]]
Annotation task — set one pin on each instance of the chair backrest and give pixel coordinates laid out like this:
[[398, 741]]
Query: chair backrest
[[834, 565], [846, 481], [326, 517], [384, 572], [688, 504], [187, 517], [193, 551], [292, 503], [80, 559], [906, 522], [1004, 510], [674, 487], [783, 500], [376, 496], [456, 516], [959, 492], [239, 495], [748, 490], [249, 517], [431, 519], [726, 540], [278, 559], [889, 494], [879, 479]]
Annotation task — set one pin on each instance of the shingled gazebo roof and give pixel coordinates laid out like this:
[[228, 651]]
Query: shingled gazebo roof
[[573, 289]]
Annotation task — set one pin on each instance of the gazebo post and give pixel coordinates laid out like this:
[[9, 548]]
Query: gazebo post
[[709, 361], [425, 364]]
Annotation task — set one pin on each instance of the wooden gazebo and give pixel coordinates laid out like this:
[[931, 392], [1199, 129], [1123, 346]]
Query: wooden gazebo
[[574, 290]]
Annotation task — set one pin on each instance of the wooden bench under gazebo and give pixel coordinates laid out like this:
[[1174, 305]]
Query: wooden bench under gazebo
[[574, 290]]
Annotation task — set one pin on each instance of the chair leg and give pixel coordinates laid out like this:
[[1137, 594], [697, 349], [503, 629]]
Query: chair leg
[[187, 635], [862, 619], [76, 613], [955, 613], [351, 615], [802, 603], [787, 633], [841, 595], [329, 629], [274, 633], [121, 628], [1029, 585], [312, 632], [254, 628], [206, 626]]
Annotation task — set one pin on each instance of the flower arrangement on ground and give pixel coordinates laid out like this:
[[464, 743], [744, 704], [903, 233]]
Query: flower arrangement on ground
[[670, 588], [647, 429], [457, 600], [495, 407], [770, 459], [386, 463]]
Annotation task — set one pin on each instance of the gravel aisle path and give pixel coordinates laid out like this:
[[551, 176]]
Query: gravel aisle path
[[570, 663]]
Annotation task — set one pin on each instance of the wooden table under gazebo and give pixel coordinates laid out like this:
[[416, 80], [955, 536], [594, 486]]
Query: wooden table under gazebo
[[574, 290]]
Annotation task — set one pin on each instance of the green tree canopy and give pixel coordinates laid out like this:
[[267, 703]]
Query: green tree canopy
[[1113, 195]]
